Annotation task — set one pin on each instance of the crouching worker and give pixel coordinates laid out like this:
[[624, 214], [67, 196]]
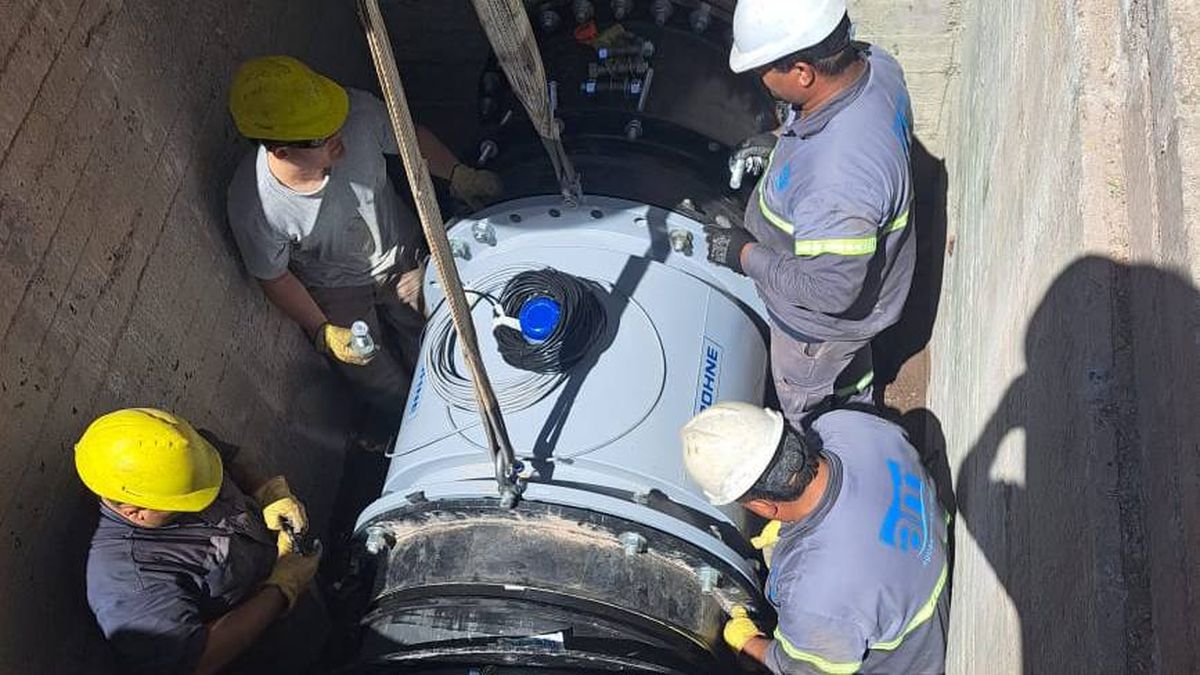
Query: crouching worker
[[858, 572], [188, 569]]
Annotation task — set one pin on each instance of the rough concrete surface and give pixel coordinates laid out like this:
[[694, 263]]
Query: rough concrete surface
[[1065, 375], [1063, 378], [119, 282]]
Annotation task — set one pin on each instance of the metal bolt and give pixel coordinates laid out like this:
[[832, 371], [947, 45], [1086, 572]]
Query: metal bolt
[[483, 232], [548, 18], [662, 9], [377, 540], [633, 130], [621, 8], [632, 542], [460, 248], [723, 221], [645, 90], [487, 150], [491, 82], [681, 241], [583, 11], [701, 17], [709, 578]]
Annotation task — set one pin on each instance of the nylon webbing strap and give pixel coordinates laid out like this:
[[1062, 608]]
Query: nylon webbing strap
[[508, 30], [504, 460]]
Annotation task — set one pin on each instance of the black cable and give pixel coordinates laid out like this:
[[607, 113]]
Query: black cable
[[581, 322]]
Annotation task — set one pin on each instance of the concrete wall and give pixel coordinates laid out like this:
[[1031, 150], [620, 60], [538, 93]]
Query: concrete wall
[[1065, 375], [119, 281]]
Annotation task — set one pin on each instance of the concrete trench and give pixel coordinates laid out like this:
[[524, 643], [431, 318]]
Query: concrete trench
[[1059, 171]]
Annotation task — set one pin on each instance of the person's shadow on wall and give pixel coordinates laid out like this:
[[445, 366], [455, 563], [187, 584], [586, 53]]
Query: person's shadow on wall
[[908, 336], [1074, 527]]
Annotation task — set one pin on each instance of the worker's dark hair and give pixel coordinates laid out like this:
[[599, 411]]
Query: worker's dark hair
[[829, 57], [271, 146], [792, 469]]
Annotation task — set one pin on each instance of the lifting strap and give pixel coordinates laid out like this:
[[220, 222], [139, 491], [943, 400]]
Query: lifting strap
[[508, 29], [507, 467]]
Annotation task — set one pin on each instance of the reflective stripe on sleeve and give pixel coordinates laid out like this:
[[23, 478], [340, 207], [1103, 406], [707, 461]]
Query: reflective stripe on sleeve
[[863, 382], [848, 247], [922, 615], [812, 247], [847, 668]]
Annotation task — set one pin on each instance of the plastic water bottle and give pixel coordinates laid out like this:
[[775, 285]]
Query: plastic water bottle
[[361, 343]]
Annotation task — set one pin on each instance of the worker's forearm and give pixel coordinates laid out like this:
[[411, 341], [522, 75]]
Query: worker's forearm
[[440, 159], [825, 284], [245, 473], [288, 294], [757, 648], [234, 632]]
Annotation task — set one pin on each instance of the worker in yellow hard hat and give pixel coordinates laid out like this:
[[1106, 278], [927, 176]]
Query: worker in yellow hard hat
[[319, 225], [186, 570]]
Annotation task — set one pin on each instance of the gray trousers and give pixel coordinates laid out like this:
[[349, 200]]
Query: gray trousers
[[396, 328], [806, 373]]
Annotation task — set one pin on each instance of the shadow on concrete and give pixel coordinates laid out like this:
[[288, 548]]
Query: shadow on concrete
[[909, 336], [1090, 531], [924, 431]]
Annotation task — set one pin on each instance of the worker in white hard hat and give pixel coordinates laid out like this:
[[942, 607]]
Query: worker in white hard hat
[[319, 225], [190, 568], [858, 572], [827, 236]]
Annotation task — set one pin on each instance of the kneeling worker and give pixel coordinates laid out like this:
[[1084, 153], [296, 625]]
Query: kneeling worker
[[858, 573], [185, 572]]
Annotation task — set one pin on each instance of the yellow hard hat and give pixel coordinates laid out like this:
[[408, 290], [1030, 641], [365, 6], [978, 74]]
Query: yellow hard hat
[[148, 458], [278, 98]]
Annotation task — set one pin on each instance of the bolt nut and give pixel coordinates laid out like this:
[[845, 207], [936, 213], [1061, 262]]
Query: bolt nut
[[483, 232], [681, 241], [377, 540], [632, 542], [633, 130], [701, 17], [583, 11], [548, 18], [662, 10], [460, 248]]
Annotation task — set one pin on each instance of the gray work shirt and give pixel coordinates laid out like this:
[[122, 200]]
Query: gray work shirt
[[352, 231], [859, 584], [832, 213], [153, 589]]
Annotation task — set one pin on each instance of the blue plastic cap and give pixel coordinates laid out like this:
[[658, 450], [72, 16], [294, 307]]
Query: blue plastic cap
[[539, 317]]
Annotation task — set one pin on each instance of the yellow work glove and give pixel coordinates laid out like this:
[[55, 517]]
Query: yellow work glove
[[476, 187], [293, 573], [739, 629], [283, 545], [765, 541], [279, 504], [335, 341]]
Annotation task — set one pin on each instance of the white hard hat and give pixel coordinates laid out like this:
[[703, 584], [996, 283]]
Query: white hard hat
[[728, 447], [767, 30]]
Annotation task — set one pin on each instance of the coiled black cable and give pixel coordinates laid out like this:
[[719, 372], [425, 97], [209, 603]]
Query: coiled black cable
[[581, 323]]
